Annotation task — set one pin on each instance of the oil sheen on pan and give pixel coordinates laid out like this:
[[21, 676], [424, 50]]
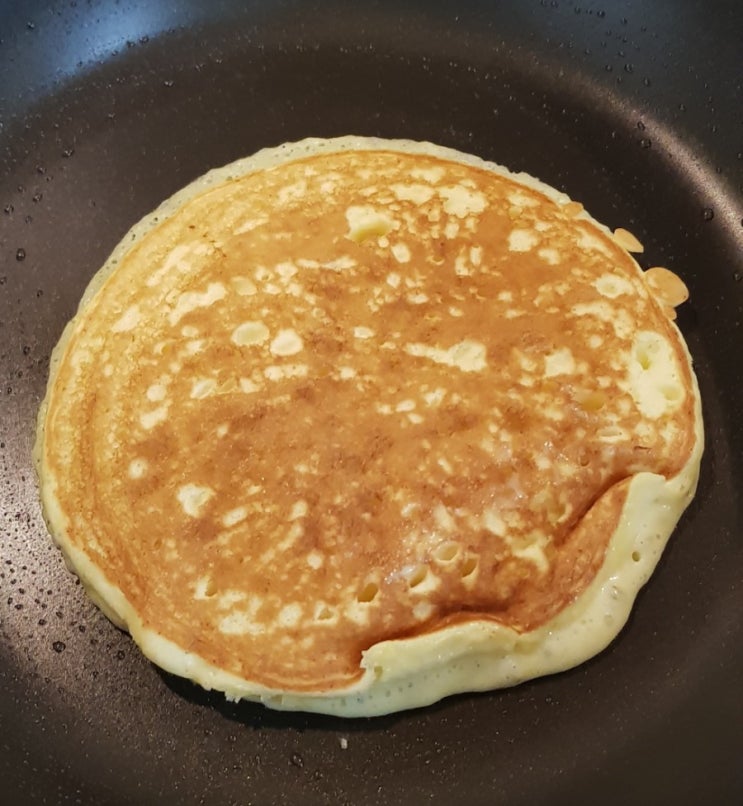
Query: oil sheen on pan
[[351, 425]]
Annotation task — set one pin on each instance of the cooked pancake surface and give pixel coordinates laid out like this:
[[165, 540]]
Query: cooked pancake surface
[[355, 415]]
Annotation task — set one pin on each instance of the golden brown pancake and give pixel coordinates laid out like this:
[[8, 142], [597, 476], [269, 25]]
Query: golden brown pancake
[[352, 425]]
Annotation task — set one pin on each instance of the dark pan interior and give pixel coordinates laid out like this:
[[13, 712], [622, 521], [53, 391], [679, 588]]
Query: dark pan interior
[[633, 108]]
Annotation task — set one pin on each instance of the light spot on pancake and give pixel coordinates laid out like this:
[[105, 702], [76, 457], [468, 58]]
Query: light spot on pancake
[[467, 355], [248, 386], [240, 622], [393, 279], [549, 255], [455, 312], [346, 373], [534, 552], [193, 498], [174, 260], [363, 332], [612, 285], [405, 405], [365, 222], [451, 229], [654, 381], [286, 342], [249, 333], [222, 430], [521, 199], [560, 362], [156, 392], [462, 267], [443, 518], [202, 387], [290, 615], [419, 194], [292, 192], [492, 521], [435, 396], [128, 320], [250, 224], [137, 468], [276, 372], [400, 252], [476, 255], [432, 175], [189, 331], [522, 240], [234, 516], [150, 419], [243, 286], [419, 298], [286, 270], [299, 510], [191, 300], [593, 244], [460, 201], [315, 559]]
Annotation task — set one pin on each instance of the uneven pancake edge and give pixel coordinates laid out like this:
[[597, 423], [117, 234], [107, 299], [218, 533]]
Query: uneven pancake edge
[[474, 656]]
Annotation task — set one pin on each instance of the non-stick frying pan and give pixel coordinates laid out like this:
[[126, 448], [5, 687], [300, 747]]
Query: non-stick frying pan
[[635, 109]]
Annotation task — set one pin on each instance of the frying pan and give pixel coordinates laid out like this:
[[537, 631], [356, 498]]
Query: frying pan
[[633, 108]]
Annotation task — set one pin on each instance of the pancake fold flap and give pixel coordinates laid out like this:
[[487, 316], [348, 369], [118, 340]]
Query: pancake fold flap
[[351, 425]]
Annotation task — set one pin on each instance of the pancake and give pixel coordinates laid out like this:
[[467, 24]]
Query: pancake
[[352, 425]]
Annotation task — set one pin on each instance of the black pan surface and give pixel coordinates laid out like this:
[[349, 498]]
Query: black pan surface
[[633, 108]]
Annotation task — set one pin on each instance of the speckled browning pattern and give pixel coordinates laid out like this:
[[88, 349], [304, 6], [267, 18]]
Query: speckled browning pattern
[[359, 396]]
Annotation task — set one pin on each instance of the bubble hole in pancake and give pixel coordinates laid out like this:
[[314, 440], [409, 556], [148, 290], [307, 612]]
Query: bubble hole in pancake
[[351, 425]]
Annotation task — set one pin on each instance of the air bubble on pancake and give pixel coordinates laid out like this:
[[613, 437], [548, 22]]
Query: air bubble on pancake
[[368, 593], [137, 468], [323, 613], [234, 516], [128, 320], [191, 300], [202, 387], [243, 286], [460, 201], [469, 566], [522, 240], [150, 419], [446, 552], [612, 285], [286, 342], [193, 498]]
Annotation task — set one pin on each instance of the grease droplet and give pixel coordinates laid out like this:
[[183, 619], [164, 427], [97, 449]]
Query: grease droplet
[[297, 760], [707, 213], [59, 646], [20, 254], [645, 143]]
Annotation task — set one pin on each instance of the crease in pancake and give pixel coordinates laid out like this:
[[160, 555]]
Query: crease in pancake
[[369, 423]]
